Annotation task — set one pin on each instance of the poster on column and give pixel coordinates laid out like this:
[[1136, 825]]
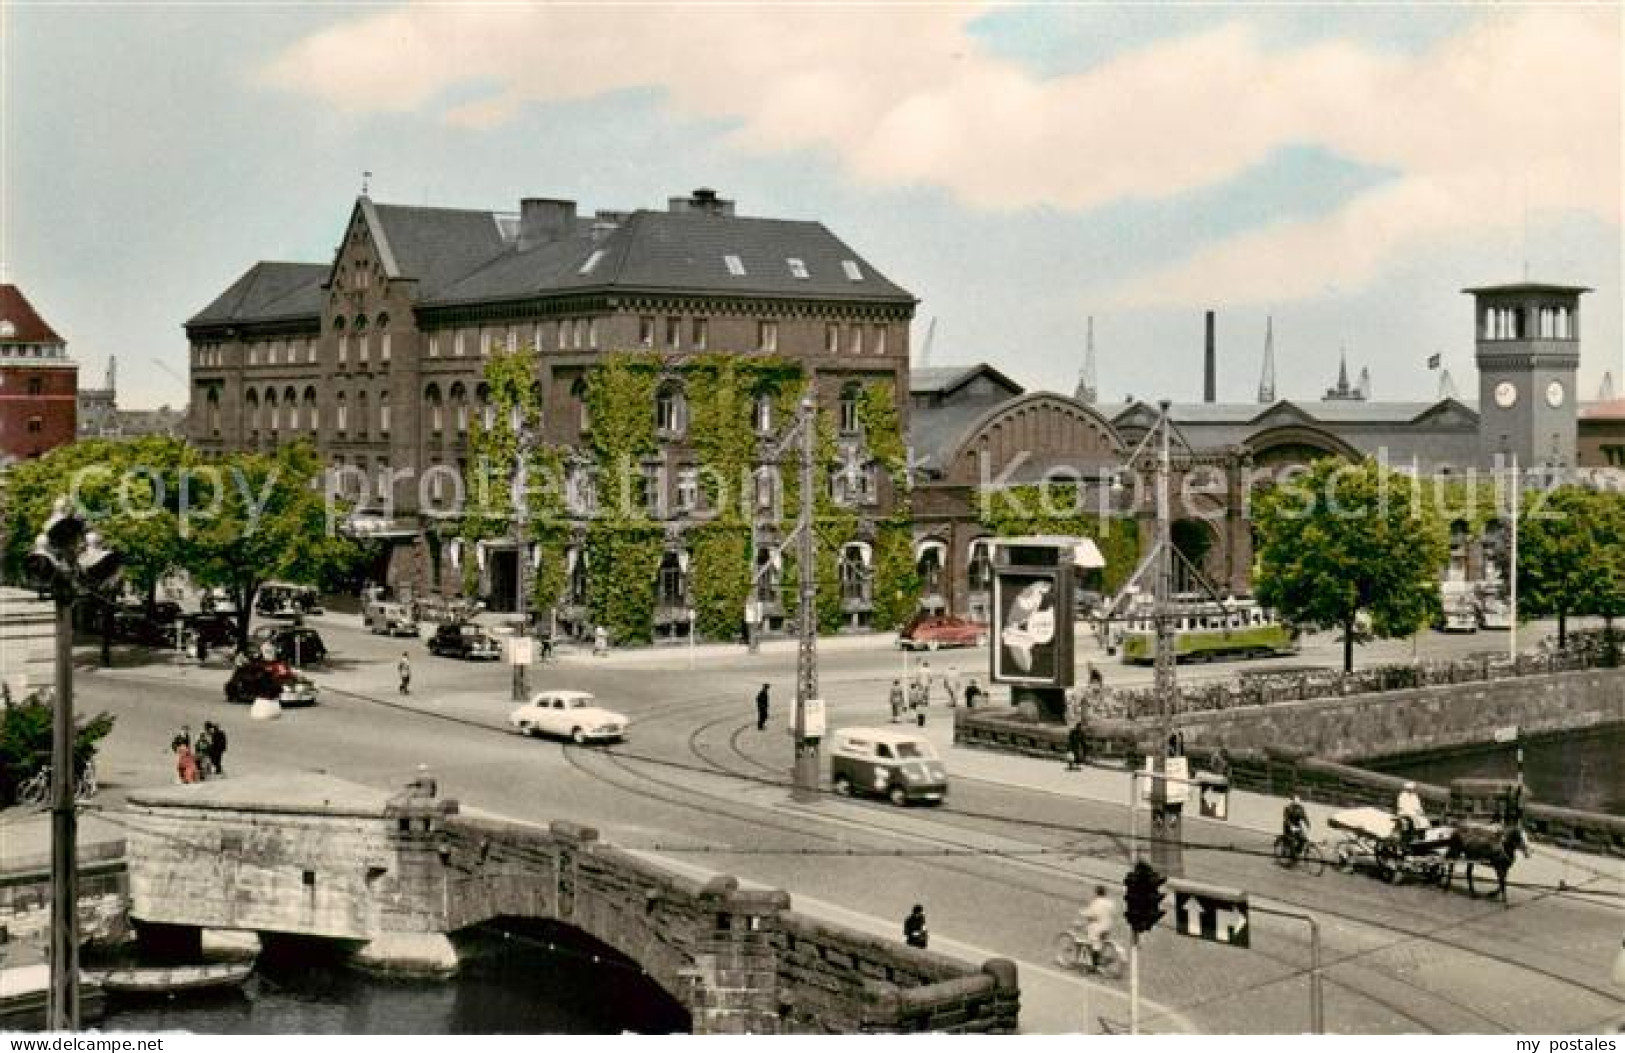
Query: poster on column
[[1032, 627]]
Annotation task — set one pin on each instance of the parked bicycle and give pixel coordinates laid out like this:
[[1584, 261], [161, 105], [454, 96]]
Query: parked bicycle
[[1073, 952], [1301, 854], [36, 789]]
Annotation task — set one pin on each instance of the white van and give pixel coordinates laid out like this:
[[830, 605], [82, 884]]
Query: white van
[[894, 764]]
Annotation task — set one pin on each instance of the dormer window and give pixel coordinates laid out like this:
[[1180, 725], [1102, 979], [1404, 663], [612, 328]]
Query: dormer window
[[851, 270], [798, 268], [736, 266]]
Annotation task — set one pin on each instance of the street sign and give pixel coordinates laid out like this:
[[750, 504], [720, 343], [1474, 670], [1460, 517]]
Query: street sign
[[1213, 796], [814, 718], [1167, 779], [1507, 734], [1211, 912], [521, 650]]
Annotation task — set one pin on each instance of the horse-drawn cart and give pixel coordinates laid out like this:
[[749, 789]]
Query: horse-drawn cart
[[1376, 841]]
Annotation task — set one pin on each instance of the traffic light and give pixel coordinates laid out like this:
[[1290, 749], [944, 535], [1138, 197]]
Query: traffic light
[[1142, 892]]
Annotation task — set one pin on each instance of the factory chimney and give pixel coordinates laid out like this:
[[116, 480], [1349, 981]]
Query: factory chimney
[[1210, 379]]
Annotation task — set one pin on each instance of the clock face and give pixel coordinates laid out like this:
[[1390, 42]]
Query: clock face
[[1554, 394], [1506, 393]]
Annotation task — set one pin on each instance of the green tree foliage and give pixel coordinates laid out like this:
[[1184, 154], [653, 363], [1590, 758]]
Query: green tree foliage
[[25, 742], [259, 518], [1346, 539], [1571, 556]]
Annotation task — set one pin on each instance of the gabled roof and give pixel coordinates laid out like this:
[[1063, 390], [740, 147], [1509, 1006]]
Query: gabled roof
[[681, 252], [945, 380], [268, 291], [27, 327], [1333, 411], [437, 246]]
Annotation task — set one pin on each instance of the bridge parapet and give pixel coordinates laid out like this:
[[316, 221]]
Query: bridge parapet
[[398, 875]]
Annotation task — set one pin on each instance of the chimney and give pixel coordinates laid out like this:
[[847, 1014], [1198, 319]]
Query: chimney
[[545, 219], [1210, 380], [704, 200]]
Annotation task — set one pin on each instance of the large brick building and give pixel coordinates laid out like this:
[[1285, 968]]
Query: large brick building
[[37, 381], [378, 356]]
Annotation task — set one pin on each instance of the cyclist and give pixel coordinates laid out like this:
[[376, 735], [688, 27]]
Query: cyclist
[[1094, 923], [1295, 826]]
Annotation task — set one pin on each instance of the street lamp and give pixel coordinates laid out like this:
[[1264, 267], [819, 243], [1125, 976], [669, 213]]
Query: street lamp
[[72, 564], [521, 518]]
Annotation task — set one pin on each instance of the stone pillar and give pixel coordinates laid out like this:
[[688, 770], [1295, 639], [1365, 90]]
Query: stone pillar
[[733, 986]]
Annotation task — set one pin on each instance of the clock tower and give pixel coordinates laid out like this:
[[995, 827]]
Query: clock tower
[[1528, 353]]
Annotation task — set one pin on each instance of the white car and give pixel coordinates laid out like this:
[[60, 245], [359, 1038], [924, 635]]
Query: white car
[[568, 714]]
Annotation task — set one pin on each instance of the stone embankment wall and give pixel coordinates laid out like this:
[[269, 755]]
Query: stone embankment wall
[[25, 895]]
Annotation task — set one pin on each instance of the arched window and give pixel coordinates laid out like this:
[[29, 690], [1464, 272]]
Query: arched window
[[343, 339], [671, 410], [854, 571], [342, 415], [310, 410], [761, 413], [459, 406], [383, 412], [578, 392], [383, 338], [431, 397], [849, 408], [671, 584], [290, 408], [212, 400], [253, 412], [362, 418], [271, 420], [488, 412]]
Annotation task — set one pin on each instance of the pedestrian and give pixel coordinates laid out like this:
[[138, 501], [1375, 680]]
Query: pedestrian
[[200, 752], [922, 675], [217, 747], [404, 669], [423, 784], [915, 934], [1095, 679], [896, 701], [186, 764], [919, 698], [600, 641], [973, 694], [202, 647], [183, 737], [951, 684], [761, 708], [1077, 744]]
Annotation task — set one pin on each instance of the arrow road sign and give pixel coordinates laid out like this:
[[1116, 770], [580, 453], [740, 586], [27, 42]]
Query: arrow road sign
[[1211, 912], [1213, 796]]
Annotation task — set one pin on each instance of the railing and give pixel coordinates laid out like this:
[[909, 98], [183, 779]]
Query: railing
[[1590, 649]]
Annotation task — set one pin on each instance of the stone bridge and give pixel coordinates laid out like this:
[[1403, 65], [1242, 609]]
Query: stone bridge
[[399, 877]]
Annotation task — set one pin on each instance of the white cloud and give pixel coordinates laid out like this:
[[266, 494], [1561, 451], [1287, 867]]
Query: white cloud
[[1525, 103]]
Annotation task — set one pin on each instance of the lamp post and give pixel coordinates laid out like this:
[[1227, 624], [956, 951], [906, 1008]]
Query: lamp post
[[521, 518], [72, 564], [806, 766]]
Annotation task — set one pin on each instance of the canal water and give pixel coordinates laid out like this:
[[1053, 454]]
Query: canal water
[[1574, 769], [517, 985]]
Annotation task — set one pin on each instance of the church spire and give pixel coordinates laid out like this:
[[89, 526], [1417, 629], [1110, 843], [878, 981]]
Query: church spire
[[1342, 392], [1447, 386], [1086, 390], [1605, 393], [1266, 379]]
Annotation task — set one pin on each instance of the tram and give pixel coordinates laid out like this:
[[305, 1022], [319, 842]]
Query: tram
[[1206, 631]]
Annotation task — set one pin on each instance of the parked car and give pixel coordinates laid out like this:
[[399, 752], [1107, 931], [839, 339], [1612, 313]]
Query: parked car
[[279, 600], [217, 630], [218, 601], [461, 640], [273, 678], [897, 765], [568, 714], [390, 619], [927, 632], [135, 625], [290, 643]]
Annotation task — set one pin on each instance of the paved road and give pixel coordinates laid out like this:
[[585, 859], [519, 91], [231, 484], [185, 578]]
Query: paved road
[[1000, 868]]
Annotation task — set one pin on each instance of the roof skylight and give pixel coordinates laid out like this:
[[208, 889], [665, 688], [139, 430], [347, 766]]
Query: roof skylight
[[592, 261], [851, 269], [736, 266], [798, 268]]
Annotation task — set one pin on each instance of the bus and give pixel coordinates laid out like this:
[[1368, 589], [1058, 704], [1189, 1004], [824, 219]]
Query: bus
[[1206, 631]]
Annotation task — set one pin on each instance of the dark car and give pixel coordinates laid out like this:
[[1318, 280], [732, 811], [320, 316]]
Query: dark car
[[262, 678], [455, 640], [290, 643], [217, 630], [135, 625]]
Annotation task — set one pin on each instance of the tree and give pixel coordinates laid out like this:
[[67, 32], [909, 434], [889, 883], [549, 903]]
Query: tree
[[1571, 556], [1346, 540], [25, 742], [259, 518]]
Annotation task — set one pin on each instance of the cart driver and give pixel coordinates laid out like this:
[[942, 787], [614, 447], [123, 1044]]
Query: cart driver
[[1295, 824], [1095, 921], [1408, 811]]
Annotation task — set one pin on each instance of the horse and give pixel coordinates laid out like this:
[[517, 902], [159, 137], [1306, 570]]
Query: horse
[[1491, 843]]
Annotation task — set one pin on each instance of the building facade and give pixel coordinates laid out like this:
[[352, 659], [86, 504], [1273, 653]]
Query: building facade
[[378, 357], [38, 381]]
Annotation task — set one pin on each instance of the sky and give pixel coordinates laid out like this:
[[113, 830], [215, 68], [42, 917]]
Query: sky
[[1343, 170]]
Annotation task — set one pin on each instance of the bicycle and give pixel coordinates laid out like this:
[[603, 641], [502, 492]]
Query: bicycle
[[1073, 952], [36, 789], [1302, 854]]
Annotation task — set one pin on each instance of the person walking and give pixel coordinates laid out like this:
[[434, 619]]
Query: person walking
[[897, 701], [761, 708], [973, 693], [403, 669], [186, 764], [600, 641], [200, 752], [919, 698], [217, 747], [1077, 744], [915, 933], [950, 683]]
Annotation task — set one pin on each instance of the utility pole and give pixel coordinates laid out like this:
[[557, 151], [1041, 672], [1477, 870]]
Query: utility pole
[[521, 518], [1512, 567], [1166, 848], [806, 763]]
